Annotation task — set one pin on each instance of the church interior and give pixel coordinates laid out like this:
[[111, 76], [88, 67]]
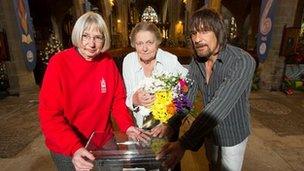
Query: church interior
[[277, 99]]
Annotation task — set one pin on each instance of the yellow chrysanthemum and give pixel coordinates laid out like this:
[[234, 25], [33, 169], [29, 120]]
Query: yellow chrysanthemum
[[163, 100]]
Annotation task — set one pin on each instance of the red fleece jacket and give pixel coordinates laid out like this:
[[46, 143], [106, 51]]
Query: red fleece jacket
[[78, 97]]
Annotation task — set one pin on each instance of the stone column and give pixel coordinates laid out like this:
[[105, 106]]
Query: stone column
[[122, 27], [106, 10], [173, 15], [254, 20], [215, 4], [78, 4], [20, 78]]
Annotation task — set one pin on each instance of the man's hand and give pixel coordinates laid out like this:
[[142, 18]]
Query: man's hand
[[82, 160], [138, 134], [171, 153], [161, 130]]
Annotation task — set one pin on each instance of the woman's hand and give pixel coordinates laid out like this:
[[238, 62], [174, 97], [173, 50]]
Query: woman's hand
[[142, 98], [138, 134], [82, 160], [160, 130]]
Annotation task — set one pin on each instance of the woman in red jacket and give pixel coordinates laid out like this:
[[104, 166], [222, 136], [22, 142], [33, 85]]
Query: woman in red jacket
[[82, 88]]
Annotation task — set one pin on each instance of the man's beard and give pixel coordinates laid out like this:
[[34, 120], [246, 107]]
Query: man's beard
[[205, 54]]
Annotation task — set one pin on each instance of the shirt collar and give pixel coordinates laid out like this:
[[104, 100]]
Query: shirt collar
[[159, 57], [223, 56]]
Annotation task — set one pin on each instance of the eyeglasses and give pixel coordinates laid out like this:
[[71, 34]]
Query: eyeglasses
[[141, 44], [96, 39]]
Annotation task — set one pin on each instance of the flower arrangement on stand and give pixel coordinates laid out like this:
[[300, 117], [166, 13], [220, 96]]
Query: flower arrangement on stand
[[170, 96], [4, 81], [290, 85], [46, 50], [295, 81], [287, 85], [53, 46]]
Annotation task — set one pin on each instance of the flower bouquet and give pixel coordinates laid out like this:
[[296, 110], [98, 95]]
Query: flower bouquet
[[170, 97]]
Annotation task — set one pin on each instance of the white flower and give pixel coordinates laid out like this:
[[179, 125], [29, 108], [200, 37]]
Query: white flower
[[151, 85]]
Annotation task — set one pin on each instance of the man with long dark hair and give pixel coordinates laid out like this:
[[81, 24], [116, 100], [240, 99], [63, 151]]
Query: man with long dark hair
[[223, 74]]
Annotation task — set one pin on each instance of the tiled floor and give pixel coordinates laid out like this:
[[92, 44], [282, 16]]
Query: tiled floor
[[276, 142]]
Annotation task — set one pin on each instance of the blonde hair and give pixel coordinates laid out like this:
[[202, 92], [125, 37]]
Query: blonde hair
[[145, 26], [86, 21]]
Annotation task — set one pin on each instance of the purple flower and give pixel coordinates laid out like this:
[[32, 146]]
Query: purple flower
[[182, 103]]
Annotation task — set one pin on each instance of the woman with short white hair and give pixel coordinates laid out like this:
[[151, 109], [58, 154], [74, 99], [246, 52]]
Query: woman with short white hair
[[82, 87]]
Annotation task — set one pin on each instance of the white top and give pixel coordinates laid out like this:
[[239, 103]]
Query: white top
[[133, 74]]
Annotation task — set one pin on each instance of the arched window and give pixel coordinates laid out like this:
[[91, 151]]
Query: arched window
[[149, 15]]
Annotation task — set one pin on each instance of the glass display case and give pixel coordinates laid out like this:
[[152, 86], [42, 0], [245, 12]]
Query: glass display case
[[116, 152]]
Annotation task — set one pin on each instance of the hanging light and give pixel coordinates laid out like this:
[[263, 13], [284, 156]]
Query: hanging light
[[149, 15]]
